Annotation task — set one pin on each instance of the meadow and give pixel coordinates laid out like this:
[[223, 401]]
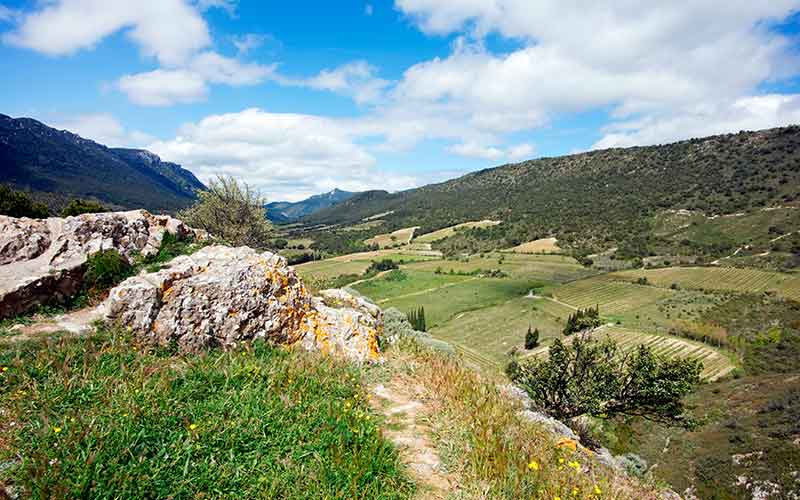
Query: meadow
[[450, 231]]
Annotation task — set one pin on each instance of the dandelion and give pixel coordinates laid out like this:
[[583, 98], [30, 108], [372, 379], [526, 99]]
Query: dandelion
[[56, 429], [534, 465], [192, 427]]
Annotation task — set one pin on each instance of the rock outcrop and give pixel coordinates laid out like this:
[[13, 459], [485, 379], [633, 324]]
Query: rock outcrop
[[222, 296], [42, 261]]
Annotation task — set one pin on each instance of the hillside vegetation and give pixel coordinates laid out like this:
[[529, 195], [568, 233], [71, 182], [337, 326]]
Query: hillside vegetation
[[596, 200]]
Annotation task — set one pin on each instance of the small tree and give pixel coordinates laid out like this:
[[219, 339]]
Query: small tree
[[231, 211], [78, 207], [17, 204], [591, 377], [531, 338]]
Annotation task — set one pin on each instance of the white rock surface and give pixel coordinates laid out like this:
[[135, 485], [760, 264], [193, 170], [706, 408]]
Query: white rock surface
[[42, 260]]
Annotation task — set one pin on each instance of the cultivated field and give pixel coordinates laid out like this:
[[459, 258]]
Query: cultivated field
[[355, 263], [395, 238], [715, 364], [612, 295], [719, 278], [555, 268], [544, 245], [383, 288], [449, 231]]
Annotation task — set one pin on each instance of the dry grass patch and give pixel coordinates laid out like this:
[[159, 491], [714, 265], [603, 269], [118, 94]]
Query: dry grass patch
[[395, 238], [450, 231], [543, 245]]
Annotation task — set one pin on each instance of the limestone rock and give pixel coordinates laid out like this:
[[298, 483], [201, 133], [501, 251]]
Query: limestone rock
[[42, 260], [222, 296]]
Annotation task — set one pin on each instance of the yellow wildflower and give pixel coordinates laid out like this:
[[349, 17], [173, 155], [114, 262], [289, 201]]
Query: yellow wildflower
[[575, 465], [574, 492], [561, 460], [5, 368], [556, 498], [597, 490], [534, 465], [56, 429], [193, 426]]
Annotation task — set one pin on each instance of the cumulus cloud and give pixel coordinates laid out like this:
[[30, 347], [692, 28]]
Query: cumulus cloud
[[249, 41], [287, 156], [746, 113], [662, 63], [170, 30], [163, 87], [356, 79], [105, 129]]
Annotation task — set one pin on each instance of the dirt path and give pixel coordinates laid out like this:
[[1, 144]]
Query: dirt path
[[427, 290], [407, 428], [75, 322], [551, 299]]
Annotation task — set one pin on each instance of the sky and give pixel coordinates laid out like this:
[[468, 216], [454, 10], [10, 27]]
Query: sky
[[297, 98]]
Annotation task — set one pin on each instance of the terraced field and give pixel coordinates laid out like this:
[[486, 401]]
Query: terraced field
[[395, 238], [614, 296], [355, 263], [715, 364], [488, 334], [449, 231], [719, 278], [544, 245]]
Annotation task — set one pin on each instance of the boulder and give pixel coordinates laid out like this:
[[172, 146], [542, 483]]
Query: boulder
[[222, 296], [42, 261]]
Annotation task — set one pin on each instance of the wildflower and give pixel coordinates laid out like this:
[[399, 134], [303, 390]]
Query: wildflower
[[556, 498], [597, 490], [574, 492], [561, 460], [575, 465], [192, 426], [5, 368], [72, 419], [534, 465], [56, 429]]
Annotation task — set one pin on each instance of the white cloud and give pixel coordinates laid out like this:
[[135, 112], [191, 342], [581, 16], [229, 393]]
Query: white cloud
[[746, 113], [229, 6], [164, 87], [249, 41], [287, 156], [521, 152], [219, 69], [356, 79], [472, 150], [8, 14], [104, 129], [660, 63], [170, 30]]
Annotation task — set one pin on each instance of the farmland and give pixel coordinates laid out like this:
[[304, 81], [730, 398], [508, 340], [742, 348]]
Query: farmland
[[543, 245], [395, 238], [613, 296], [449, 231], [715, 364]]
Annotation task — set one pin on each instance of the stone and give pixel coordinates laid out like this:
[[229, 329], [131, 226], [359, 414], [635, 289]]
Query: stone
[[42, 261], [222, 296]]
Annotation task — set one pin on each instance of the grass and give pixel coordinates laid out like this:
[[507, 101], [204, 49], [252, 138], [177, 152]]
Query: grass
[[483, 439], [395, 238], [555, 268], [102, 417], [612, 295], [449, 231], [486, 335], [443, 304], [544, 245], [385, 287], [719, 279]]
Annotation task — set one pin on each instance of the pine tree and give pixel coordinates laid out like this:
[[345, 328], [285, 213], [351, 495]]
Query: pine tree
[[423, 325]]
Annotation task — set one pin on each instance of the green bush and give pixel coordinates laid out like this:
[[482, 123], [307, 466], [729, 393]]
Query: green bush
[[17, 204], [104, 270], [78, 207]]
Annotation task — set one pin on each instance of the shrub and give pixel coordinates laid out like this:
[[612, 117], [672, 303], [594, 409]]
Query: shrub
[[583, 319], [591, 377], [531, 338], [104, 270], [231, 211], [78, 207], [381, 265], [17, 204]]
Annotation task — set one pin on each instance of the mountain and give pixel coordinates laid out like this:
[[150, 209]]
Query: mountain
[[286, 211], [596, 200], [57, 165]]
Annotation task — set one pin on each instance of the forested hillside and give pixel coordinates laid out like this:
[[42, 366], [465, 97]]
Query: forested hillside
[[596, 200]]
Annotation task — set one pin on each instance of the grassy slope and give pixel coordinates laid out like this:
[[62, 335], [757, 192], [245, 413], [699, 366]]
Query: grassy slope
[[102, 417]]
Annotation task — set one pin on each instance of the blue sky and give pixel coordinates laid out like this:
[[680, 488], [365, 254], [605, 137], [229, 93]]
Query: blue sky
[[300, 97]]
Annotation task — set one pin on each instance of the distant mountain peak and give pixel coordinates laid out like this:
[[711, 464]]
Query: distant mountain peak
[[284, 211]]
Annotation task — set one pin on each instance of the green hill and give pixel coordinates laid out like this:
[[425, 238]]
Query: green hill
[[596, 200]]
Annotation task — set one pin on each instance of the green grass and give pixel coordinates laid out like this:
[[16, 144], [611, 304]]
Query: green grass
[[487, 335], [102, 417], [554, 268], [445, 303], [383, 288], [613, 296]]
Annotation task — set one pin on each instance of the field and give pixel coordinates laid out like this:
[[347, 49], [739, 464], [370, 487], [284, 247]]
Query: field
[[449, 231], [395, 238], [544, 245], [384, 288], [486, 335], [719, 278], [715, 364], [613, 296], [555, 268]]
